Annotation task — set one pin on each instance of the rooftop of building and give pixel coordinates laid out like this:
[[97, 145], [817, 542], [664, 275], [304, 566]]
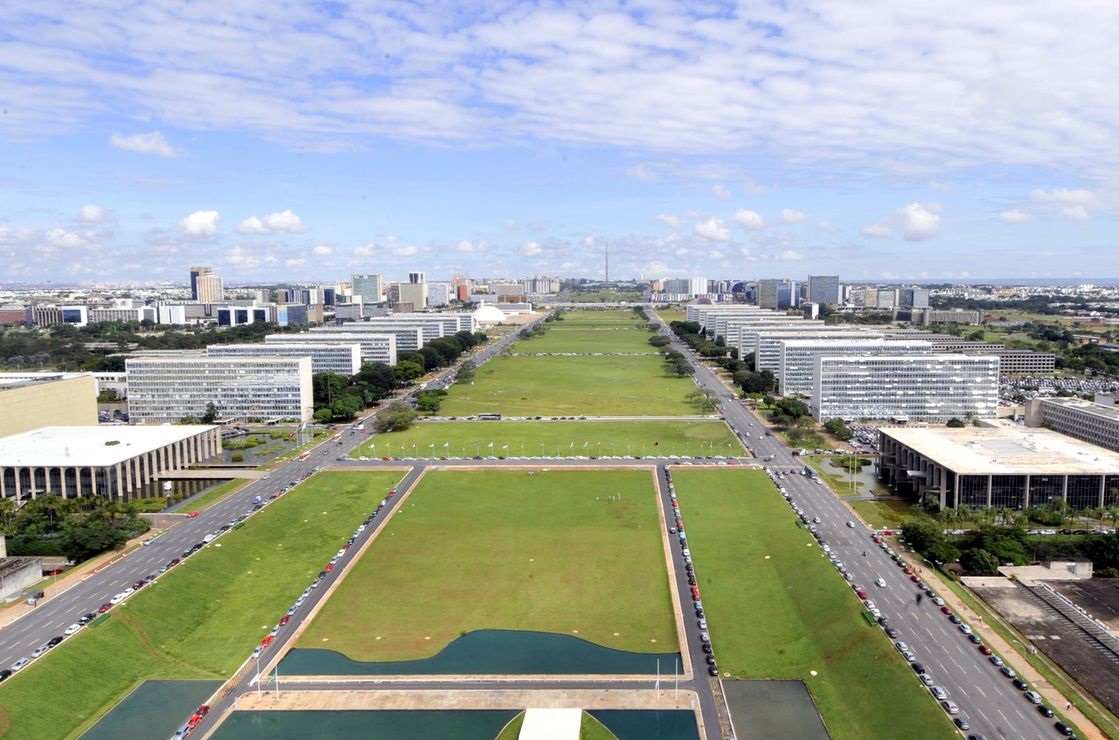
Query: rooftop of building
[[21, 380], [96, 446], [1007, 449], [1109, 412]]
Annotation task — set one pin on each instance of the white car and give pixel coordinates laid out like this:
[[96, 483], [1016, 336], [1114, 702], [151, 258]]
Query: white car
[[880, 583], [117, 599], [20, 664], [72, 629]]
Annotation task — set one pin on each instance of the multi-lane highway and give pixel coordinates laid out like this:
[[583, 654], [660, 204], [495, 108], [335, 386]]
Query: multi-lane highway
[[986, 698]]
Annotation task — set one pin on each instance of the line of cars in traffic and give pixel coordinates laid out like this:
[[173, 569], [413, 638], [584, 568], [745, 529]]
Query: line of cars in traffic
[[120, 597], [677, 528], [966, 630], [269, 638]]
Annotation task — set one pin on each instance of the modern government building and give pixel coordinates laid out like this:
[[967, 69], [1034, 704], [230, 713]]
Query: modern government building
[[122, 462], [1004, 467]]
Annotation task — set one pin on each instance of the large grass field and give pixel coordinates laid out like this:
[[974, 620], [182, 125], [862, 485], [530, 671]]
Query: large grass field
[[777, 609], [199, 620], [554, 439], [598, 318], [562, 551], [571, 386], [561, 339]]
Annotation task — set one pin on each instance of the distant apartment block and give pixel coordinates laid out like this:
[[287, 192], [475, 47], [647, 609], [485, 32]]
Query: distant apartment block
[[929, 388], [340, 359], [823, 289], [167, 389], [367, 288], [1084, 420]]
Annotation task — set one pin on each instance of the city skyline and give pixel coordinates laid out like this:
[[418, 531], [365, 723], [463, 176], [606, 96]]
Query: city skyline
[[309, 143]]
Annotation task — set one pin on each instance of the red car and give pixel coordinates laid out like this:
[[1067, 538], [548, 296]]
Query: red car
[[862, 594], [104, 608], [946, 609], [876, 538], [392, 493], [284, 620], [192, 514], [915, 578], [907, 570], [328, 567], [266, 641], [984, 649], [174, 562]]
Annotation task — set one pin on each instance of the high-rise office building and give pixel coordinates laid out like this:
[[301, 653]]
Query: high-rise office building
[[205, 286], [367, 288], [823, 289], [776, 294], [416, 278]]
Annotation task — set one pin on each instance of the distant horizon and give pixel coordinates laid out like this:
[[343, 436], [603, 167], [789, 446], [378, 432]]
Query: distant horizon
[[1008, 282]]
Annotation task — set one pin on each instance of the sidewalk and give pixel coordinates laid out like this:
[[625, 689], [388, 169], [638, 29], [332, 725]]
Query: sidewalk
[[1010, 655], [53, 586]]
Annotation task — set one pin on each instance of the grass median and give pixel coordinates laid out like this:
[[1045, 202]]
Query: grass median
[[554, 439], [778, 609], [586, 340], [566, 386], [199, 620], [569, 552]]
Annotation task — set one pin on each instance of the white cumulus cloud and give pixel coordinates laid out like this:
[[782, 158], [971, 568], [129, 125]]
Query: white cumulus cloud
[[671, 221], [1064, 196], [323, 250], [920, 221], [284, 220], [791, 216], [1015, 216], [531, 249], [463, 246], [713, 229], [152, 143], [92, 214], [1074, 213], [878, 231], [405, 251], [749, 219], [201, 223], [720, 191], [789, 255]]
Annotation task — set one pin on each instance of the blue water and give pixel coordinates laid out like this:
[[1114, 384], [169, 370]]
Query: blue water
[[490, 652], [153, 709], [648, 724], [367, 725]]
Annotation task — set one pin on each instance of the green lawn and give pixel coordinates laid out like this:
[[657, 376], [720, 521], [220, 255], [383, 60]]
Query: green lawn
[[778, 609], [670, 315], [563, 551], [216, 494], [598, 318], [554, 386], [199, 620], [554, 439], [586, 340], [884, 514]]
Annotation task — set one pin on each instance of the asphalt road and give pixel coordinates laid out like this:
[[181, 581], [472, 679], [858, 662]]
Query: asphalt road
[[986, 698]]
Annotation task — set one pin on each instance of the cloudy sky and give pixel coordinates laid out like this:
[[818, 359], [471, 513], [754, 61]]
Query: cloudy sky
[[300, 140]]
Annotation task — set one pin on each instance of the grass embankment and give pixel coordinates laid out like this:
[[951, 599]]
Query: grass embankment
[[779, 610], [570, 552], [554, 439], [670, 315], [884, 514], [566, 386], [199, 620]]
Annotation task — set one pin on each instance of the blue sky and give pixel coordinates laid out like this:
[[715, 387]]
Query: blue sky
[[306, 141]]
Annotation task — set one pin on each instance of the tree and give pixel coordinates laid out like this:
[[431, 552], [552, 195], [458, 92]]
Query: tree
[[465, 372], [979, 562], [921, 533], [407, 371], [211, 414], [955, 423], [659, 341], [838, 428], [701, 399], [395, 417], [84, 537]]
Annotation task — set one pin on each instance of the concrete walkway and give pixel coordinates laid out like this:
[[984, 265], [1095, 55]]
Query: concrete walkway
[[551, 724], [1010, 655], [466, 699]]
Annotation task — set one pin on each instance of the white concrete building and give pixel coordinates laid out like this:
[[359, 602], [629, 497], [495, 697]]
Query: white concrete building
[[928, 388], [166, 389], [1087, 421], [766, 343], [371, 347], [407, 337], [115, 461], [326, 357], [798, 357]]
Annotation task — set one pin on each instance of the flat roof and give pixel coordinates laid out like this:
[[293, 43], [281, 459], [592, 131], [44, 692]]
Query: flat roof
[[21, 380], [1091, 407], [1007, 449], [88, 446]]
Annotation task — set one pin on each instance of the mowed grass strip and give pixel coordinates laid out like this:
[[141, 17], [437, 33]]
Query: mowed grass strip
[[554, 439], [200, 619], [571, 552], [777, 609], [571, 386], [596, 317], [583, 340]]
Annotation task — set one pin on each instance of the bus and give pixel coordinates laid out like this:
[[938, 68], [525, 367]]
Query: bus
[[304, 456], [489, 417]]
